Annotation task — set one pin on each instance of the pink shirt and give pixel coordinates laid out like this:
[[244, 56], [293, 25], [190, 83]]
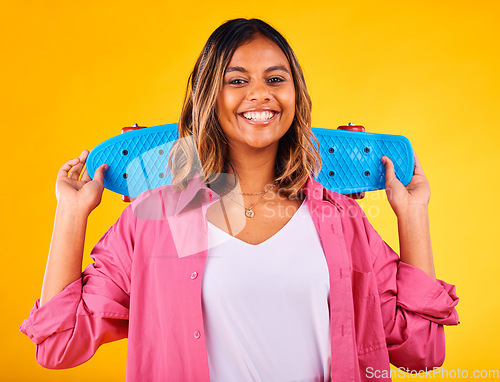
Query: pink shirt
[[145, 284]]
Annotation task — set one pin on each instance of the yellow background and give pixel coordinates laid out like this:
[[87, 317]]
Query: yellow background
[[74, 73]]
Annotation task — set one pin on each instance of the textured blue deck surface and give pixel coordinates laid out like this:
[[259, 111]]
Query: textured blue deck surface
[[351, 160]]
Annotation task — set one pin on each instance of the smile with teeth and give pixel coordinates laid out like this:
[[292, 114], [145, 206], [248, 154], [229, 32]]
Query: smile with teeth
[[259, 116]]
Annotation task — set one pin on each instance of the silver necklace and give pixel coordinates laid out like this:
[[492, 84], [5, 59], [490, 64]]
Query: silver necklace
[[247, 193], [249, 212]]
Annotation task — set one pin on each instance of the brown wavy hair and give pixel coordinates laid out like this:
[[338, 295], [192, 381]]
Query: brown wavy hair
[[201, 145]]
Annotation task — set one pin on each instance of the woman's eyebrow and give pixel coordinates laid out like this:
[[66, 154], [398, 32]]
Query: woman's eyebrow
[[277, 67], [243, 70], [235, 69]]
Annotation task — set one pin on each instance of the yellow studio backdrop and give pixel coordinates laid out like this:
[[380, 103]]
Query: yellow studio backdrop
[[74, 73]]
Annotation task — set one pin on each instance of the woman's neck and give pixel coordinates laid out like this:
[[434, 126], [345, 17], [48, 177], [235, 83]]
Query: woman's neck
[[253, 178], [254, 173]]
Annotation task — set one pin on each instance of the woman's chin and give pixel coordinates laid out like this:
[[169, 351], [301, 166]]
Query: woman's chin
[[257, 144]]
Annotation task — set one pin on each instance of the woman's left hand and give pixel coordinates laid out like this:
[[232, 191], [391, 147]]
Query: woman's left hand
[[402, 199]]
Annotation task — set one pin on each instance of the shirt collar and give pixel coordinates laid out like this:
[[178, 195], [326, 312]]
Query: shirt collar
[[188, 194]]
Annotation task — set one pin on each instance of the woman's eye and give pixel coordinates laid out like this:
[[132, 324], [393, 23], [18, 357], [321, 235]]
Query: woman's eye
[[236, 82], [276, 80]]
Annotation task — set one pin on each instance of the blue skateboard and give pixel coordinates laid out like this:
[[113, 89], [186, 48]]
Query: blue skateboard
[[138, 158]]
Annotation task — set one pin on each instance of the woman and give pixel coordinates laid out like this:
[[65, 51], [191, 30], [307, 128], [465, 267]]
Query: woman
[[245, 268]]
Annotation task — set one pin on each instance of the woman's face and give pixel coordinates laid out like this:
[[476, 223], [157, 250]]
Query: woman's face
[[256, 105]]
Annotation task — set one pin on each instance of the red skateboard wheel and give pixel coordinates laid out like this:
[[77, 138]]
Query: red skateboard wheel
[[135, 126], [352, 127]]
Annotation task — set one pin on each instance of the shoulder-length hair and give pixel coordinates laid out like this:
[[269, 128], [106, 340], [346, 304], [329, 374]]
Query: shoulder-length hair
[[201, 145]]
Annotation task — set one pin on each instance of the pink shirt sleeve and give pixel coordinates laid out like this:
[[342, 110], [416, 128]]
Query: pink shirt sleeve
[[414, 307], [90, 311]]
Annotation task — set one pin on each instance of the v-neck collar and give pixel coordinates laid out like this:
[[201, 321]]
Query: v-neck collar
[[269, 239]]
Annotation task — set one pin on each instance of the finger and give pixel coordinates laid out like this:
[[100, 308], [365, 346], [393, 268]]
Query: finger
[[390, 174], [99, 173], [418, 167], [75, 171], [392, 184], [85, 176], [63, 171]]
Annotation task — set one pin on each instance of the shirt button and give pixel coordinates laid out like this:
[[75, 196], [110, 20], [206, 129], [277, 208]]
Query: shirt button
[[197, 334], [194, 275]]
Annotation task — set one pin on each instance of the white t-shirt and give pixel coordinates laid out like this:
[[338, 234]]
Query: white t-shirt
[[265, 306]]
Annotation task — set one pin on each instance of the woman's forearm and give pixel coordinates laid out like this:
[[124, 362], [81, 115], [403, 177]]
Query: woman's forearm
[[64, 263], [415, 239]]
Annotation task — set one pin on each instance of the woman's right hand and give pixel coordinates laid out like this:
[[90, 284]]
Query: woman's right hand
[[84, 194]]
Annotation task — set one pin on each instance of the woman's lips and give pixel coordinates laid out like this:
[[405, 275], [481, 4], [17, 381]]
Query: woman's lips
[[259, 123]]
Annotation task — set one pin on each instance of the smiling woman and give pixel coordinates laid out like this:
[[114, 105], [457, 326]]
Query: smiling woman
[[247, 67], [254, 272]]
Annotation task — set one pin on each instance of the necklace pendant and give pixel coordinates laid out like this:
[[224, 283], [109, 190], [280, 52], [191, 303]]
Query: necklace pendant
[[249, 213]]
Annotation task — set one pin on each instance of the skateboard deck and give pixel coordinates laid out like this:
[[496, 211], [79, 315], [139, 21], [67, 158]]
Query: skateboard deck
[[351, 162]]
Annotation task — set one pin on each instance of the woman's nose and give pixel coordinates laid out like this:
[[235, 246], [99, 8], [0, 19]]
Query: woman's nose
[[259, 91]]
